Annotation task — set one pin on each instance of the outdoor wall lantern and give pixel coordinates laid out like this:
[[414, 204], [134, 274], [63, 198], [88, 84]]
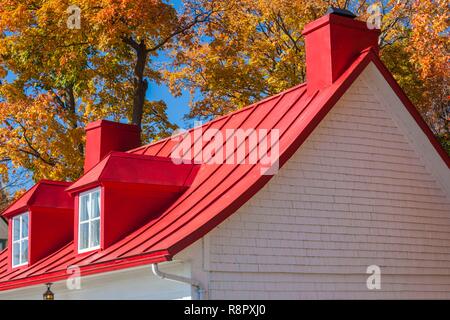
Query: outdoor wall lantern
[[49, 295]]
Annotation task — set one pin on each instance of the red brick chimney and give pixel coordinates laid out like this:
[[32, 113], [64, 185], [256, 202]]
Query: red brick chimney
[[332, 43], [104, 136]]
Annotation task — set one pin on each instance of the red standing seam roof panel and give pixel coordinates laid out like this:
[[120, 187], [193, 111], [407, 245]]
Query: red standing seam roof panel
[[217, 191], [135, 168]]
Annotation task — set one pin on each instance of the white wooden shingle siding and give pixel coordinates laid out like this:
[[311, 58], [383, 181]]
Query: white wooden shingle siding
[[357, 193]]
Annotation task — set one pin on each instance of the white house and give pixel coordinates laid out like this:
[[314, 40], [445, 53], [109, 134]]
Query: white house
[[358, 209]]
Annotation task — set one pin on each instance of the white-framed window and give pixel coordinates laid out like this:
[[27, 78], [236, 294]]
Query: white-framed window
[[20, 225], [89, 220]]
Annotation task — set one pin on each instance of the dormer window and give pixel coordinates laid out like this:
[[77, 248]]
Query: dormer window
[[40, 222], [89, 221], [20, 240], [148, 183]]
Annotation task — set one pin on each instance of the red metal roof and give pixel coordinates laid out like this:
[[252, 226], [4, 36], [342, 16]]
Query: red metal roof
[[132, 168], [218, 189], [45, 193]]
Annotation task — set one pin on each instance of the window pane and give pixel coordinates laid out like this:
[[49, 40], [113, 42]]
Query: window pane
[[95, 233], [84, 235], [95, 204], [24, 255], [89, 235], [84, 203], [25, 225], [16, 253], [2, 244], [16, 228]]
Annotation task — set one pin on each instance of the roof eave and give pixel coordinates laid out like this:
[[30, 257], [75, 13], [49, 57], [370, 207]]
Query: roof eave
[[87, 270]]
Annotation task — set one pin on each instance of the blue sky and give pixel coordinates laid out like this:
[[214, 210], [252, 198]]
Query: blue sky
[[177, 107]]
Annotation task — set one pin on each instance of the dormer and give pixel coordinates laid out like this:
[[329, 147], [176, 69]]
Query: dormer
[[40, 222], [123, 192]]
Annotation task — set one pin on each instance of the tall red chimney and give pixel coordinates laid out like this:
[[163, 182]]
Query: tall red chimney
[[104, 136], [332, 43]]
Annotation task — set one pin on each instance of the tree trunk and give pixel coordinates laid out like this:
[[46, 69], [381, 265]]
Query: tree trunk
[[140, 84], [71, 108]]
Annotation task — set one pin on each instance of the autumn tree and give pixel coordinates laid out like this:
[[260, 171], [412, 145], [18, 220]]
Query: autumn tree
[[56, 77], [254, 48], [58, 72], [428, 48]]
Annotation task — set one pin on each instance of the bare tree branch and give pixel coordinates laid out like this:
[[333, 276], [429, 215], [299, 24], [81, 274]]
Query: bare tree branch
[[35, 153]]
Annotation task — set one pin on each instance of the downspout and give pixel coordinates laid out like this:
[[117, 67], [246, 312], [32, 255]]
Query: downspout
[[172, 277]]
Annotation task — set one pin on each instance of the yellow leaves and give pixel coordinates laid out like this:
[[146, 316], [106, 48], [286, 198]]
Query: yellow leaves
[[3, 72], [429, 37], [146, 20], [427, 48], [64, 78], [255, 49], [13, 16], [252, 48], [33, 137], [18, 194], [3, 170]]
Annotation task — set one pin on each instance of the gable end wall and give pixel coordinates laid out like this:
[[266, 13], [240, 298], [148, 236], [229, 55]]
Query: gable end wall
[[358, 192]]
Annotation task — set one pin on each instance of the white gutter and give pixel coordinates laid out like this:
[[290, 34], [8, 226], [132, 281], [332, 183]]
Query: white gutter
[[172, 277]]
